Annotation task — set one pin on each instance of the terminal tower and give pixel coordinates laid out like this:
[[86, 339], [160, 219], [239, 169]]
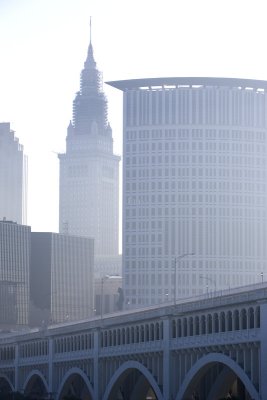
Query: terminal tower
[[89, 171]]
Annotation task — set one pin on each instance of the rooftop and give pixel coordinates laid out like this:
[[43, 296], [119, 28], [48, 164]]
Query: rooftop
[[195, 82]]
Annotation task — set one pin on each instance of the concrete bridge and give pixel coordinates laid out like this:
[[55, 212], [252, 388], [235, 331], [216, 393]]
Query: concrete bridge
[[202, 347]]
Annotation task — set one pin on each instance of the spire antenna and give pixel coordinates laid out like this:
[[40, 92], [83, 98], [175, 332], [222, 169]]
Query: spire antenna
[[90, 62], [90, 29]]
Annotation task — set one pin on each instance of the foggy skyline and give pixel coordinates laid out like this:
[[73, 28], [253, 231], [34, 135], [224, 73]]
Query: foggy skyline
[[44, 45]]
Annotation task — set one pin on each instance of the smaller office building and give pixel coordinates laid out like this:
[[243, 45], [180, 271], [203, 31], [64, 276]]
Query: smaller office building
[[14, 274], [61, 278]]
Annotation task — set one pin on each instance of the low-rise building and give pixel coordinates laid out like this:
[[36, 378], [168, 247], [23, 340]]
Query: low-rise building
[[61, 277]]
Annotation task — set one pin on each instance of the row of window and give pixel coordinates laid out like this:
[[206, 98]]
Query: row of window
[[186, 134], [217, 198], [197, 207], [223, 185], [217, 106], [144, 171], [200, 161], [218, 145]]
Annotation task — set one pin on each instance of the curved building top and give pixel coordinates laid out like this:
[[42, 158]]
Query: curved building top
[[174, 82]]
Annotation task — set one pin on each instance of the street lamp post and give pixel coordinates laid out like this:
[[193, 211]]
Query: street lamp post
[[102, 294], [210, 280], [166, 297], [175, 271]]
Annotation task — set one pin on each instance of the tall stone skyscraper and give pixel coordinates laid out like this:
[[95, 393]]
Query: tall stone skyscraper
[[89, 171], [13, 177]]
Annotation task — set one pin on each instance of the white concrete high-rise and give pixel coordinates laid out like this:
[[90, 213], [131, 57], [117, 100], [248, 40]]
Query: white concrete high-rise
[[13, 177], [194, 181], [89, 171]]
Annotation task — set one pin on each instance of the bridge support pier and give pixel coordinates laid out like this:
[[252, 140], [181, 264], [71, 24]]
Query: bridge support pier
[[50, 365], [16, 383], [96, 364], [166, 358], [263, 352]]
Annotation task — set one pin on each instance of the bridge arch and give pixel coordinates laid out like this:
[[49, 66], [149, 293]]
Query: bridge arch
[[200, 367], [7, 383], [32, 378], [72, 372], [124, 370]]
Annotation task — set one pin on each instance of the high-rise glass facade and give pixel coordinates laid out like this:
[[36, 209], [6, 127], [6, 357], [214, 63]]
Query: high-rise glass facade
[[89, 171], [194, 181]]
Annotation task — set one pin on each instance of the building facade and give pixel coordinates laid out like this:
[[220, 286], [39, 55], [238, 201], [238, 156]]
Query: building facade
[[194, 181], [14, 274], [13, 177], [89, 171], [61, 277]]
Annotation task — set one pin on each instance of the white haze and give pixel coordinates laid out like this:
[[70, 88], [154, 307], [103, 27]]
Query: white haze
[[44, 43]]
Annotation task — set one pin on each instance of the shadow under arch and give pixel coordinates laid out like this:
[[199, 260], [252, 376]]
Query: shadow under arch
[[75, 371], [126, 368], [201, 366], [8, 381], [29, 379]]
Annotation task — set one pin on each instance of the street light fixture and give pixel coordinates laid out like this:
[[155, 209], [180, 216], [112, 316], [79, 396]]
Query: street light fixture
[[166, 297], [175, 271]]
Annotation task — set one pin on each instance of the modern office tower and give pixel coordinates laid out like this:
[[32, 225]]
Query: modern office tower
[[13, 177], [89, 171], [14, 273], [194, 181], [61, 277]]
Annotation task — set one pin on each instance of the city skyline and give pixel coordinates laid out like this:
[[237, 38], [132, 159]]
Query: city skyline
[[40, 66]]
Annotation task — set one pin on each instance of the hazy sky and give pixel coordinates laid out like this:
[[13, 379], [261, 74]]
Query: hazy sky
[[43, 45]]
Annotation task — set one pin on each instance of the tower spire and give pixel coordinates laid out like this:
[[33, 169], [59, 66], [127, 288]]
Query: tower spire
[[90, 62], [90, 29]]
